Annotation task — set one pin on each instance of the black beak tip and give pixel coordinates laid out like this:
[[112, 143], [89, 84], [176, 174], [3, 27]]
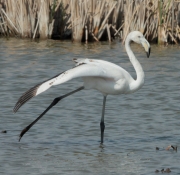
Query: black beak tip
[[148, 53]]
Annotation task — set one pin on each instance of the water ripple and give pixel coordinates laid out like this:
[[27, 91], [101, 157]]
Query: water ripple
[[66, 139]]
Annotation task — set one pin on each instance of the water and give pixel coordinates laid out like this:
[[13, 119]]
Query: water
[[67, 139]]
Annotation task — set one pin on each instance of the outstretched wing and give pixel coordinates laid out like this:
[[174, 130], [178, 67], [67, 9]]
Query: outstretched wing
[[81, 70], [32, 92]]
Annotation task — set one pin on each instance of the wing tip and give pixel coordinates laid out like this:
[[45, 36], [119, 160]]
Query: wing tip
[[25, 97], [32, 92]]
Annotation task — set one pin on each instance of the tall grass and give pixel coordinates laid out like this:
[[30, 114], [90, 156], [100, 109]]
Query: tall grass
[[90, 20]]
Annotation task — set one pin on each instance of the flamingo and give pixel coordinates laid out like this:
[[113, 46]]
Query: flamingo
[[104, 76]]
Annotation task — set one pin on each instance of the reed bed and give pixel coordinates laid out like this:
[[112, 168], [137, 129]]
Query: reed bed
[[90, 20]]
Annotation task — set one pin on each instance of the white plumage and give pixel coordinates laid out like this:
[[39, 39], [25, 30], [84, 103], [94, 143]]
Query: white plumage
[[106, 77]]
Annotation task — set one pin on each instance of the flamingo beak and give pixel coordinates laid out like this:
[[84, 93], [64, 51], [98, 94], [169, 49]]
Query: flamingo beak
[[149, 51], [146, 46]]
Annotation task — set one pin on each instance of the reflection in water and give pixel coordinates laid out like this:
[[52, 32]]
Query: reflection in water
[[66, 140]]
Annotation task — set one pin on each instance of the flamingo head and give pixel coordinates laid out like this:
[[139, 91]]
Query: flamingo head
[[139, 38]]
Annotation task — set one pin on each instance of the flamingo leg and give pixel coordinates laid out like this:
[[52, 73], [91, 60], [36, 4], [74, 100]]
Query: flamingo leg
[[102, 125], [55, 101]]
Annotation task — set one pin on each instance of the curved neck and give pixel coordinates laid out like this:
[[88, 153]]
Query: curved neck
[[136, 84]]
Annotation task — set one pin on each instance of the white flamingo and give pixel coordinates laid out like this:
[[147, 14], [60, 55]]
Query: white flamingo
[[106, 77]]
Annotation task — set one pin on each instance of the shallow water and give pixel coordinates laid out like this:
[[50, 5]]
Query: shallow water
[[67, 139]]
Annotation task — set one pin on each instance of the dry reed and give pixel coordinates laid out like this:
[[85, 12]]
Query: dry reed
[[90, 20]]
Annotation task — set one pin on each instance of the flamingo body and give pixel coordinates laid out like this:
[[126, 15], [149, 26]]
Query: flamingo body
[[104, 76]]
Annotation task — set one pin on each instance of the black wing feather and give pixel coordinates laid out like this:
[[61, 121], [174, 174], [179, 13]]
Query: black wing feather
[[26, 96], [29, 94]]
